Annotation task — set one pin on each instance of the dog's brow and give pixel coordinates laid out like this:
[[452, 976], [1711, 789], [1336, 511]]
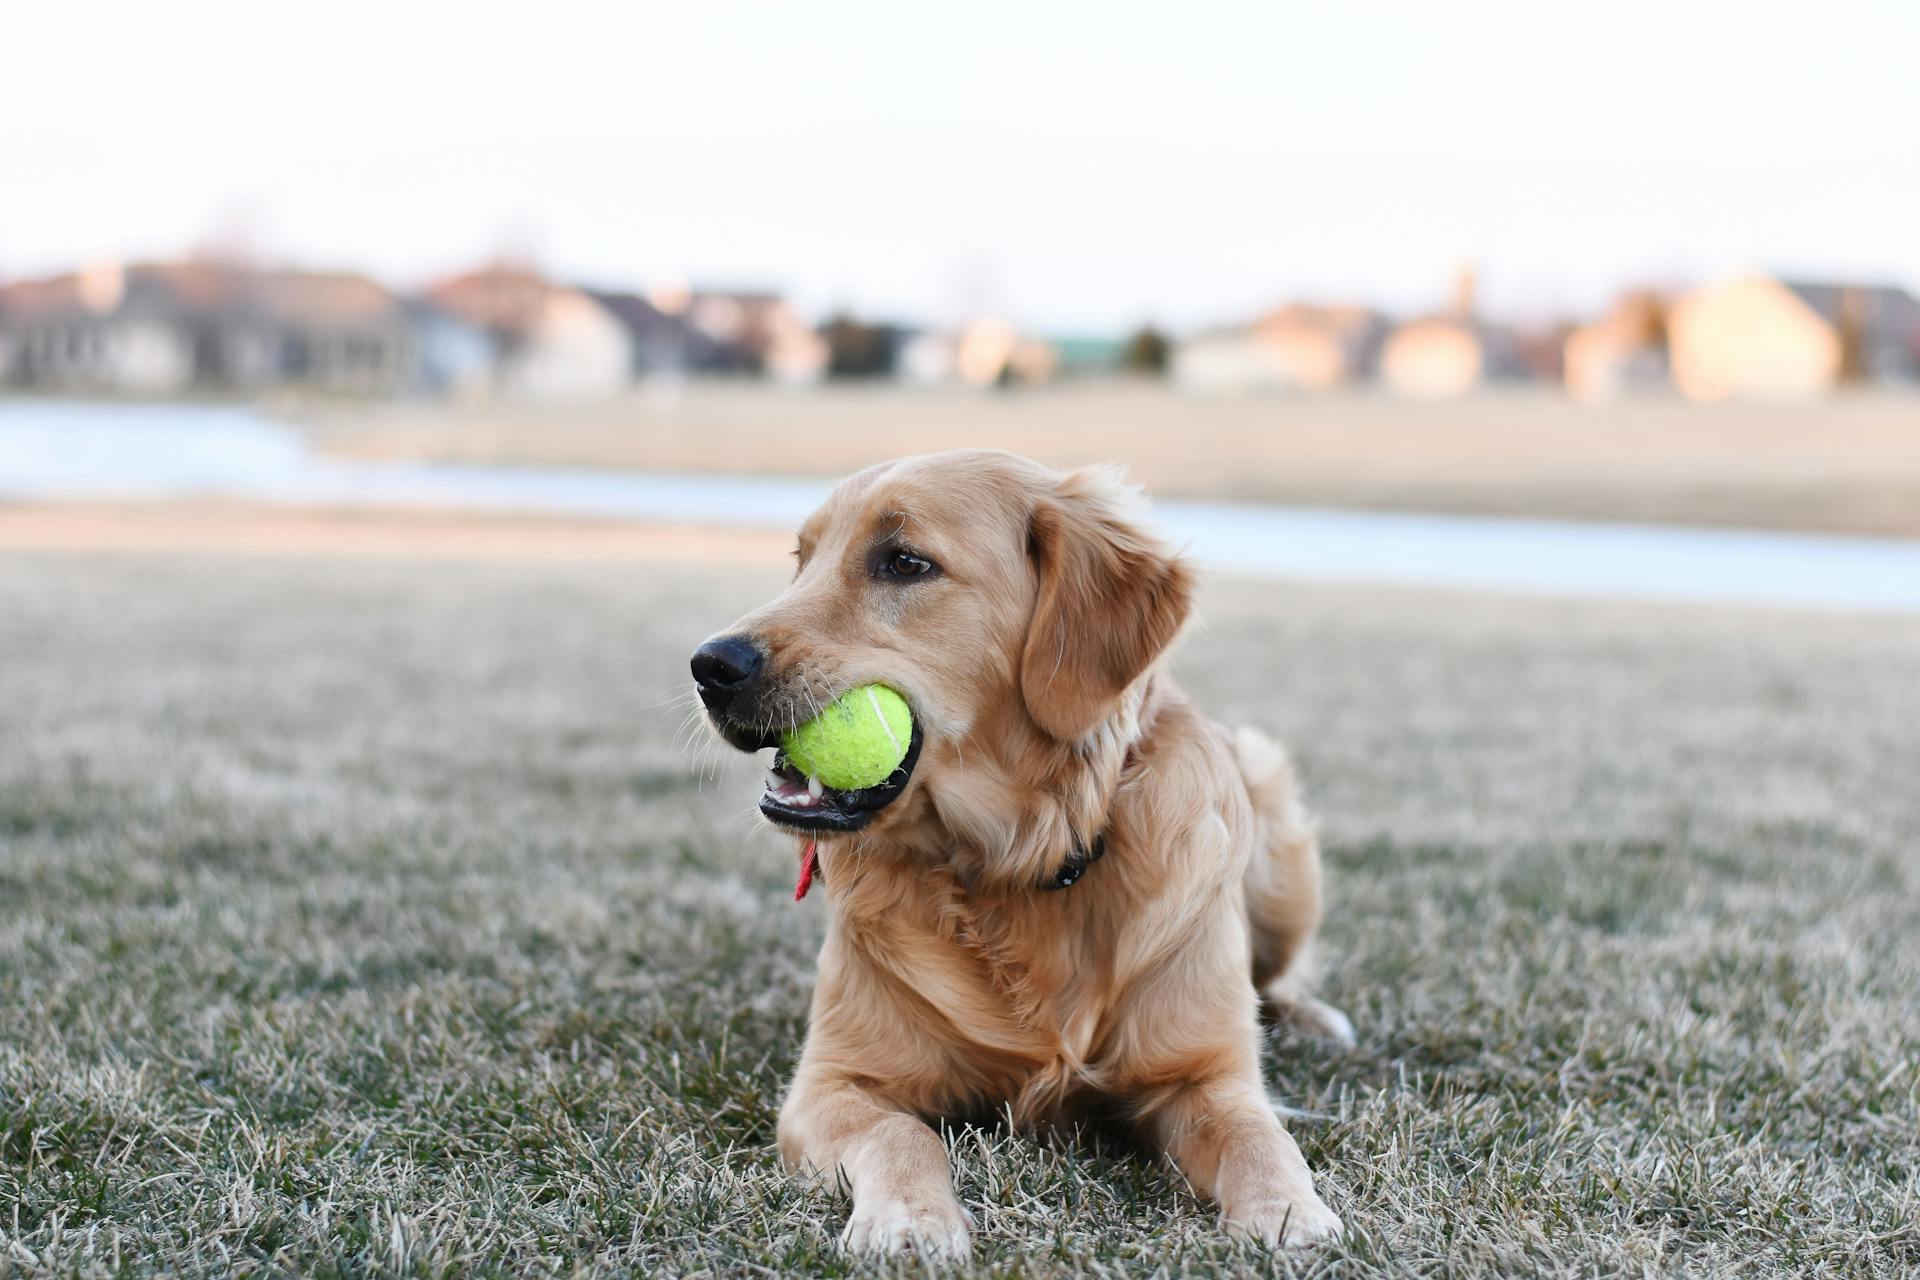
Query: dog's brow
[[892, 524]]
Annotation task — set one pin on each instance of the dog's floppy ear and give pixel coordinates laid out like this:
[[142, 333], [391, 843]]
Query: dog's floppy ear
[[1111, 600]]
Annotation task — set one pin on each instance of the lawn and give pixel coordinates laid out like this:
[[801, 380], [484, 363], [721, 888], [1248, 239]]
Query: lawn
[[373, 917]]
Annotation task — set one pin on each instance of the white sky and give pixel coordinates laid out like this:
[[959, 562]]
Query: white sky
[[1075, 165]]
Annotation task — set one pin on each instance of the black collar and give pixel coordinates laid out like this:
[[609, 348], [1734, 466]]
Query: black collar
[[1077, 862], [1085, 855]]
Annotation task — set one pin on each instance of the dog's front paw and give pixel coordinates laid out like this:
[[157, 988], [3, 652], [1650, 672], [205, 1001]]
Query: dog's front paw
[[895, 1226], [1301, 1221]]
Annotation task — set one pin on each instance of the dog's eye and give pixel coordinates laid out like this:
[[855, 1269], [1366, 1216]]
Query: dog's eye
[[905, 564]]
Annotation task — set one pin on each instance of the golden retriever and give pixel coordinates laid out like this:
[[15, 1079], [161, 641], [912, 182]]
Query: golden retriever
[[1075, 890]]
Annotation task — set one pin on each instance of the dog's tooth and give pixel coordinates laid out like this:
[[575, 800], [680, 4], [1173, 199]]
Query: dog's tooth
[[813, 788], [774, 780]]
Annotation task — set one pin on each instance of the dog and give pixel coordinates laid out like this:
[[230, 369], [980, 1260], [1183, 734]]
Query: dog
[[1075, 892]]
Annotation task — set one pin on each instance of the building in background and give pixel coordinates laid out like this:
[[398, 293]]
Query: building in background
[[990, 352], [453, 359], [757, 332], [119, 331], [1322, 348], [549, 341], [223, 325], [1439, 357], [927, 359], [166, 328], [1086, 355], [338, 333], [663, 344], [1452, 353], [210, 326], [1760, 336], [1225, 360], [1622, 352], [1299, 347]]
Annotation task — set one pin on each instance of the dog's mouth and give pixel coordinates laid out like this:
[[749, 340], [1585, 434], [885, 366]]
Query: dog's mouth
[[792, 799]]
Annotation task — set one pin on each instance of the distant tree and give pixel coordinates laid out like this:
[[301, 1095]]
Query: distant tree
[[1146, 353]]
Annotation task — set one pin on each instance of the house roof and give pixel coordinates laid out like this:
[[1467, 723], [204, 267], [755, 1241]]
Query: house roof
[[1636, 318], [506, 299], [198, 288], [1883, 312], [641, 317], [183, 286], [1343, 321], [740, 297], [674, 336], [41, 297], [323, 297]]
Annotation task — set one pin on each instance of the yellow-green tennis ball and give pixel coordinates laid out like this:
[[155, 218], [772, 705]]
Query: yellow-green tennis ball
[[858, 741]]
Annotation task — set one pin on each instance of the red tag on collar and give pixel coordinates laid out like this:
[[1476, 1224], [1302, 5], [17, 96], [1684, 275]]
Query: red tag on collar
[[809, 864]]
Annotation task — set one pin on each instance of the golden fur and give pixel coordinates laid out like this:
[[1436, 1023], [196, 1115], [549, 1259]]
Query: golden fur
[[951, 982]]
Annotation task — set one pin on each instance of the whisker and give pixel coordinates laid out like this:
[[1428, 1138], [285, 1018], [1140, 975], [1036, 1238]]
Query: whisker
[[690, 730], [679, 695]]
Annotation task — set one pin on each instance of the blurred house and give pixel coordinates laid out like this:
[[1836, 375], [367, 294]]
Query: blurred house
[[550, 342], [105, 329], [1226, 360], [1322, 348], [664, 345], [1759, 336], [990, 352], [1623, 351], [164, 328], [452, 357], [760, 332], [927, 359], [1540, 350], [1088, 355], [1437, 357], [554, 341], [1454, 352], [861, 350], [1301, 347], [334, 332], [575, 349], [1031, 362]]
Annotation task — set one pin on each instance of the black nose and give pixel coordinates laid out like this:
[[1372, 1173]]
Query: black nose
[[723, 667]]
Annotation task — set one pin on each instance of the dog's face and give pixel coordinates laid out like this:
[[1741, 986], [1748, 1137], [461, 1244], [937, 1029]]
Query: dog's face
[[1011, 607]]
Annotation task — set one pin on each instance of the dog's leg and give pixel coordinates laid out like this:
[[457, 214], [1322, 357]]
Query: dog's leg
[[892, 1163], [1225, 1138], [1283, 886]]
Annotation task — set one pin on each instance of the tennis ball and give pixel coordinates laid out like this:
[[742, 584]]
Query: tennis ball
[[856, 742]]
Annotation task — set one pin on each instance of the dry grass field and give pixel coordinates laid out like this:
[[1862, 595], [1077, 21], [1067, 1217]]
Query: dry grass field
[[367, 916], [1850, 464]]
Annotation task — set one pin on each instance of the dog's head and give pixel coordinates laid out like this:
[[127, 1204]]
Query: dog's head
[[1013, 607]]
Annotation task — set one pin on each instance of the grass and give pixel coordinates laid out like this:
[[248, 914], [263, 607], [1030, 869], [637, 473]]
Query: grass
[[366, 918]]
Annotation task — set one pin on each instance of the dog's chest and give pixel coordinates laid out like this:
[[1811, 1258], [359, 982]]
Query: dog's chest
[[1047, 999]]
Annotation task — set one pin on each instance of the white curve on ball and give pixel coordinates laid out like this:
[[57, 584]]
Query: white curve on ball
[[873, 696]]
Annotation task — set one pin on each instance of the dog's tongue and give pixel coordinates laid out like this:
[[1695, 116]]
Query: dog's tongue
[[809, 865]]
